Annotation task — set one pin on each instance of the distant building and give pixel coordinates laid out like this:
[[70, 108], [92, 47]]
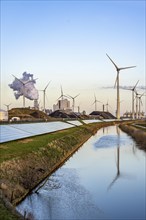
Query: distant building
[[129, 115], [62, 105], [3, 115]]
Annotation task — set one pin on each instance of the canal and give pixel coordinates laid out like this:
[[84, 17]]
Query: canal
[[104, 179]]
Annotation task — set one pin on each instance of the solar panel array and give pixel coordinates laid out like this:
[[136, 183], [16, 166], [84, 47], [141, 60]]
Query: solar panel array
[[12, 132], [19, 131]]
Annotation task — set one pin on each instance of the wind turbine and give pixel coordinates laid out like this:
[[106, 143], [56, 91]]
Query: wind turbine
[[23, 85], [95, 101], [107, 104], [44, 94], [61, 96], [73, 99], [133, 90], [8, 106], [140, 102], [117, 82]]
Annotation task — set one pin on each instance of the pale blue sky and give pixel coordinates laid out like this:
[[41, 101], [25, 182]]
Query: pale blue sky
[[66, 42]]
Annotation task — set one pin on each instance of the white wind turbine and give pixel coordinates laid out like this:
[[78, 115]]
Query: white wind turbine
[[95, 102], [44, 95], [133, 90], [107, 104], [140, 102], [117, 82], [73, 99], [62, 98], [62, 95]]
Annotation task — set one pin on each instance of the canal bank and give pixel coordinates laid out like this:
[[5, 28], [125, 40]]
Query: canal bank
[[26, 163], [137, 131], [104, 179]]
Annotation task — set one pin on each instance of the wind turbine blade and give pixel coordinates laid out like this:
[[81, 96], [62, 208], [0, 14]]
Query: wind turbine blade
[[135, 85], [27, 82], [115, 82], [65, 96], [112, 61], [98, 101], [47, 85], [76, 95], [18, 79], [136, 93], [59, 97], [142, 94], [128, 67], [33, 80], [69, 96], [127, 89]]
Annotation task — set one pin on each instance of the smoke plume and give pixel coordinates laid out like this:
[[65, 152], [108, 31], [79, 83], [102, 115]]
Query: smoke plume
[[25, 86]]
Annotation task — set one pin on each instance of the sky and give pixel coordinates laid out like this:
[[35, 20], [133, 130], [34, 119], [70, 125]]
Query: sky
[[66, 42]]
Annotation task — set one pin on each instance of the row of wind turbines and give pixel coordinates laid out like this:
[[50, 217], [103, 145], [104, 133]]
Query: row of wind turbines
[[118, 69], [138, 96]]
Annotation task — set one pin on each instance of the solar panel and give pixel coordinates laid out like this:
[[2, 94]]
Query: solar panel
[[19, 131], [75, 122], [8, 133], [91, 121]]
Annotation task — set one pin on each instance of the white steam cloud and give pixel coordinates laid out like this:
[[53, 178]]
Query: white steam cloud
[[25, 86]]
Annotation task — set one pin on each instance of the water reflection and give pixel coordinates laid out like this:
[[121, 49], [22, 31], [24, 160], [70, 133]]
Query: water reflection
[[90, 185], [118, 159]]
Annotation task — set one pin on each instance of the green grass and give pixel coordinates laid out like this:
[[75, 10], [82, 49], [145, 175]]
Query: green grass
[[20, 148], [6, 214], [143, 125]]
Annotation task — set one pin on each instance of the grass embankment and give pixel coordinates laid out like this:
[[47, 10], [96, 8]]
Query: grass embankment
[[25, 163], [137, 131], [7, 212]]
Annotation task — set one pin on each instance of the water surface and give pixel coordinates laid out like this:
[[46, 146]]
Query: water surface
[[104, 179]]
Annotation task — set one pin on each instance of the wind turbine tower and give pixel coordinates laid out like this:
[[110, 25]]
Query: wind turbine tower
[[117, 82], [44, 95]]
